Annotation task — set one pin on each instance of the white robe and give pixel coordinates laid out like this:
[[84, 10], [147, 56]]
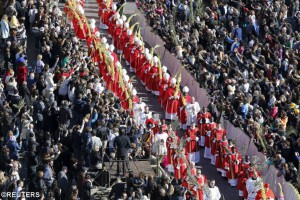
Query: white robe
[[192, 110], [138, 109], [253, 186], [214, 194]]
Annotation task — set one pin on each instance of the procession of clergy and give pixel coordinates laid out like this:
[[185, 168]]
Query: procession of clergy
[[200, 128]]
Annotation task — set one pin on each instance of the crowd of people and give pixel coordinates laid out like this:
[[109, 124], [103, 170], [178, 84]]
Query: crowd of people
[[181, 159], [245, 53], [76, 107], [58, 116]]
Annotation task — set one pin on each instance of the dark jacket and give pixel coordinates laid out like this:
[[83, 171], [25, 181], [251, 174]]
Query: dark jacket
[[122, 143]]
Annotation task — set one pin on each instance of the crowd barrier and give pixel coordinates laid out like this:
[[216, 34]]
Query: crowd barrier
[[269, 174]]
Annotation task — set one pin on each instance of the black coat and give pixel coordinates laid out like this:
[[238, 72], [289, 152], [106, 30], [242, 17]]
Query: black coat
[[65, 114], [122, 143]]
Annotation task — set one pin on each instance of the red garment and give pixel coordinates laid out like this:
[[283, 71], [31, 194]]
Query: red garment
[[269, 194], [134, 56], [172, 143], [233, 165], [209, 129], [116, 34], [80, 28], [171, 104], [127, 53], [216, 136], [142, 73], [185, 177], [152, 79], [202, 119], [122, 40], [21, 74], [198, 193], [163, 83], [179, 167], [192, 145], [187, 100]]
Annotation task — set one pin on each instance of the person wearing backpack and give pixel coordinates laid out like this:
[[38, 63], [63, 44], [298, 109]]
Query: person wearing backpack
[[87, 187]]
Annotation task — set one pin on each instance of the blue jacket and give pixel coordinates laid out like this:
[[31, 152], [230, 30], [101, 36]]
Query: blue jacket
[[238, 33], [14, 149]]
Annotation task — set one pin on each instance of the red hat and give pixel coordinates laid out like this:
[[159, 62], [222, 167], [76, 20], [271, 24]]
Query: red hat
[[266, 185]]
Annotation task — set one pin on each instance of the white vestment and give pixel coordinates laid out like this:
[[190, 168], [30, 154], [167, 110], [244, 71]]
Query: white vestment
[[253, 186], [192, 110], [138, 109], [214, 194]]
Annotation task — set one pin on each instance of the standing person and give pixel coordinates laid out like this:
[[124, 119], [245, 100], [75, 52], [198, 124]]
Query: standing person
[[63, 183], [122, 143], [192, 110], [87, 187], [192, 147], [4, 30], [214, 192], [253, 186]]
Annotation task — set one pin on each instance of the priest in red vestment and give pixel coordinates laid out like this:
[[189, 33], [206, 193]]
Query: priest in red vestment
[[267, 193], [191, 171], [164, 83], [216, 137], [135, 54], [181, 111], [192, 147], [207, 143], [172, 144], [233, 159], [152, 83], [171, 100], [203, 119], [242, 177]]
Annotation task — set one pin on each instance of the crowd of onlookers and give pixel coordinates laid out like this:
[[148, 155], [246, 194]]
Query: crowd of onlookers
[[57, 118], [246, 54]]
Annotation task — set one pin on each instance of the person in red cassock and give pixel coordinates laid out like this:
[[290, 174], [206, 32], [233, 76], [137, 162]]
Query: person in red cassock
[[142, 71], [188, 172], [210, 127], [172, 144], [268, 193], [242, 177], [192, 147], [128, 39], [216, 137], [130, 47], [233, 159], [203, 119], [179, 164], [139, 61], [164, 83], [122, 38], [117, 31], [110, 13], [135, 54], [112, 23], [171, 100], [181, 111], [152, 79], [224, 148]]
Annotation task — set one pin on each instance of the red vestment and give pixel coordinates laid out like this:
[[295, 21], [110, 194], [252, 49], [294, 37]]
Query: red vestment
[[171, 103], [192, 145], [233, 165], [203, 119]]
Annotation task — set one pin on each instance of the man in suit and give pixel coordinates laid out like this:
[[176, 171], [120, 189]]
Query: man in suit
[[122, 144]]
